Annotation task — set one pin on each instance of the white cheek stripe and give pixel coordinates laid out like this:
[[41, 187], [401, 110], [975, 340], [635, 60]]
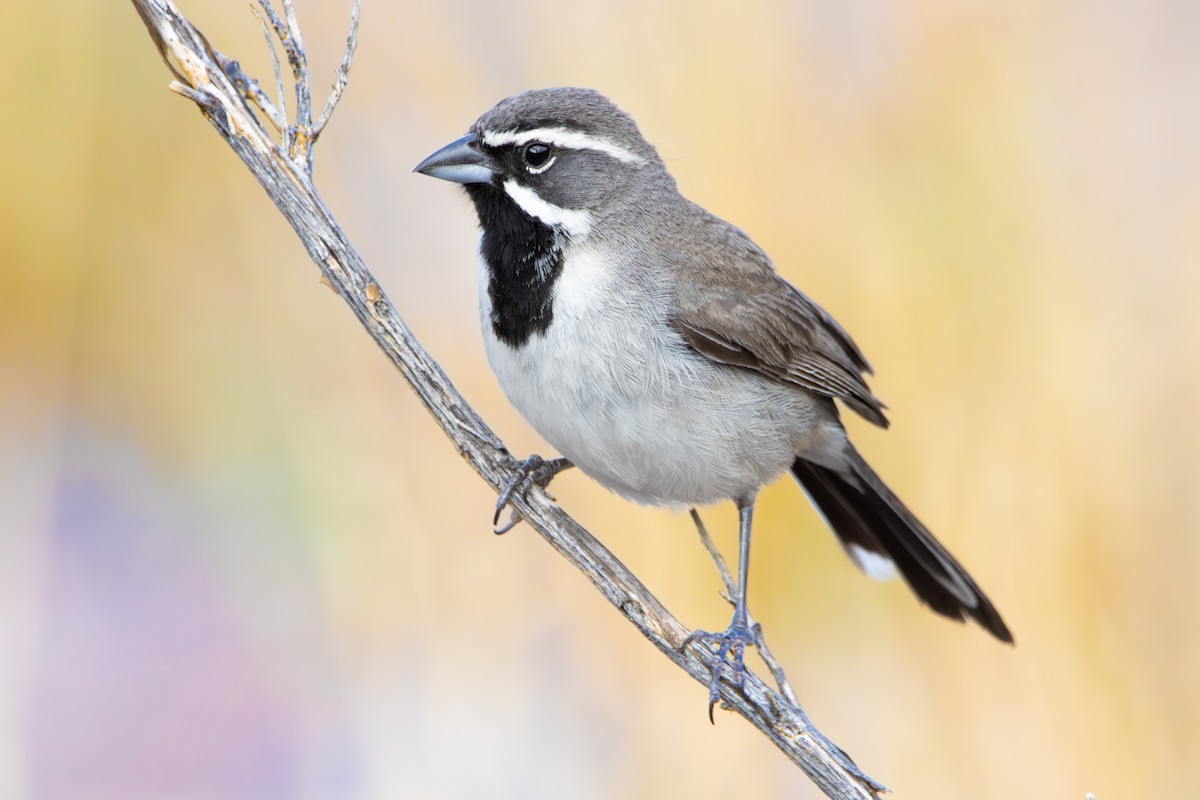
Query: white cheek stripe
[[574, 221], [561, 137]]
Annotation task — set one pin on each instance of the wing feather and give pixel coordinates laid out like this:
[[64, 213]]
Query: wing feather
[[743, 314]]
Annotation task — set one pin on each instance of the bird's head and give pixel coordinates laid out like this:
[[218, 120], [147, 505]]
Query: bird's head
[[565, 157]]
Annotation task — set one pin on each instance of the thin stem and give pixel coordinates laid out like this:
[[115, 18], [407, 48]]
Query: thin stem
[[760, 641], [341, 76], [283, 126], [299, 61], [715, 555]]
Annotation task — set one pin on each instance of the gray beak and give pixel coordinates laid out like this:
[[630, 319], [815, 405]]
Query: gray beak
[[460, 161]]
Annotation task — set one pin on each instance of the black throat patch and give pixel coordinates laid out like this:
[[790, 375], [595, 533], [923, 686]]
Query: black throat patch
[[524, 259]]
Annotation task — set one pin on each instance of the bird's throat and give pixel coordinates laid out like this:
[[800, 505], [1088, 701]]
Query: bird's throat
[[524, 257]]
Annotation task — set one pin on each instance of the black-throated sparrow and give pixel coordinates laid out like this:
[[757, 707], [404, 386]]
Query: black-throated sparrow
[[654, 345]]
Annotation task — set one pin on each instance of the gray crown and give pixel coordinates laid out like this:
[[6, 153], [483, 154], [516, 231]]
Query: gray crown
[[584, 110]]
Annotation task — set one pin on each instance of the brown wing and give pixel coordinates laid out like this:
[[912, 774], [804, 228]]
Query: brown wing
[[748, 316]]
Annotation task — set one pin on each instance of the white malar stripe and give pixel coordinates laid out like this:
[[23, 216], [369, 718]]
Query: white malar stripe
[[562, 137], [873, 565], [574, 222]]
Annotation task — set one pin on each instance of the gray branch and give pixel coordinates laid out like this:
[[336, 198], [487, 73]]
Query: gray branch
[[227, 98]]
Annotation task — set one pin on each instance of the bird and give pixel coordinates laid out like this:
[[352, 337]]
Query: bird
[[655, 346]]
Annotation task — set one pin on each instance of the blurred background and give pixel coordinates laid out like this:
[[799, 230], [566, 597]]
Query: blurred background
[[238, 560]]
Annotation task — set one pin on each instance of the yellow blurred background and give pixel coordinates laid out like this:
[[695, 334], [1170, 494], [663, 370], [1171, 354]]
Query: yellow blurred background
[[237, 560]]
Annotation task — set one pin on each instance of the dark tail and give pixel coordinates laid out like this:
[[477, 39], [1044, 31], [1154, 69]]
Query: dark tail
[[875, 528]]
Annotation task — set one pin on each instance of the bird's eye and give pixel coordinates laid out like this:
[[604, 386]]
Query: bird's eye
[[537, 156]]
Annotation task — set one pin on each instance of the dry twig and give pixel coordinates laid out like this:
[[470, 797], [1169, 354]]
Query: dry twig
[[224, 96], [760, 643]]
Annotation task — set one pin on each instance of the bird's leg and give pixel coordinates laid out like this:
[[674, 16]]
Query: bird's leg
[[731, 645], [533, 471], [760, 643]]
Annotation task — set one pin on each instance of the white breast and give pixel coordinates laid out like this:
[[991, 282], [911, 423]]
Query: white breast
[[615, 390]]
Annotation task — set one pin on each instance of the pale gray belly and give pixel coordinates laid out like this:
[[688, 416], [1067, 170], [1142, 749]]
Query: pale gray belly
[[632, 406], [699, 445]]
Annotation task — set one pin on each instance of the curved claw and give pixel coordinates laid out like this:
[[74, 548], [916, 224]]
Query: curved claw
[[730, 646], [513, 519], [533, 471]]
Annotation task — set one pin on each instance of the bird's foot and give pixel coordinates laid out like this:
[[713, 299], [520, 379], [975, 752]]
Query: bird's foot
[[730, 646], [533, 471]]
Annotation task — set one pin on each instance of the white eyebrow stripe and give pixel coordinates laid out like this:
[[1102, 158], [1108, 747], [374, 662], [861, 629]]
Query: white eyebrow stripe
[[563, 137], [575, 222]]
